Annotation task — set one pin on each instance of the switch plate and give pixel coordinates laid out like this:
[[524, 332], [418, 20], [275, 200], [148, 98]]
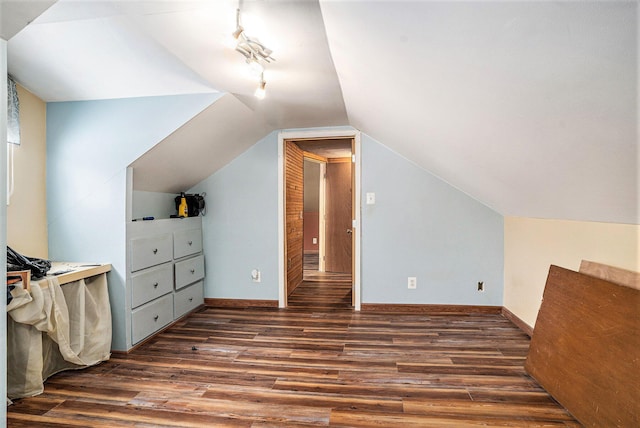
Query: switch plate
[[412, 283], [255, 275], [315, 241], [371, 198]]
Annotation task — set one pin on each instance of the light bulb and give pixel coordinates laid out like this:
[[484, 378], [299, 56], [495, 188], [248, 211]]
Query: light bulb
[[260, 91]]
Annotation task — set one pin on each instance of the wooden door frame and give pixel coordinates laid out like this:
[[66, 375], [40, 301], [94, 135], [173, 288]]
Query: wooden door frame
[[357, 237]]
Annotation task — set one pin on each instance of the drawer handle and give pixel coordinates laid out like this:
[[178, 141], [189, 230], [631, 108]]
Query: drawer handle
[[193, 271], [155, 318], [191, 299], [155, 285], [190, 242], [155, 251]]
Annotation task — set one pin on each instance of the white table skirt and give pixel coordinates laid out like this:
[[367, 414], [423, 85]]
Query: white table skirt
[[54, 328]]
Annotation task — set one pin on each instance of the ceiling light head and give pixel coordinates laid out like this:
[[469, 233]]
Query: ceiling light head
[[251, 48], [260, 90], [236, 34], [239, 30]]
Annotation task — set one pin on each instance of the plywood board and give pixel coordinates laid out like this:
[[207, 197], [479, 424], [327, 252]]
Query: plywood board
[[76, 271], [585, 349], [611, 273]]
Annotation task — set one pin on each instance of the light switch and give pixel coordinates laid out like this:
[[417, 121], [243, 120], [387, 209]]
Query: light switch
[[371, 198]]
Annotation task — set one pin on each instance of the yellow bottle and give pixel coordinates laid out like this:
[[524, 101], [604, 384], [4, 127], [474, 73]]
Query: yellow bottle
[[183, 209]]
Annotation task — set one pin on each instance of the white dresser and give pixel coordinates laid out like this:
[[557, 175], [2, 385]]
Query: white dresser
[[165, 273]]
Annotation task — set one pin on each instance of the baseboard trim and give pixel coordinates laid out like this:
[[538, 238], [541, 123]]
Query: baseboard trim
[[431, 309], [528, 330], [239, 303]]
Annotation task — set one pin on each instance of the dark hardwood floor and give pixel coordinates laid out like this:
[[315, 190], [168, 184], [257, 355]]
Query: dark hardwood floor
[[321, 291], [311, 262], [326, 291], [313, 364]]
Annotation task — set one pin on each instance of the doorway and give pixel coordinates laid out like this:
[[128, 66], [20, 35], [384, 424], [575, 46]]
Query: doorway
[[334, 239]]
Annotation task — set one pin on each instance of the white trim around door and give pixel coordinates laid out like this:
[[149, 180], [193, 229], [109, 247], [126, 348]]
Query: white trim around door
[[298, 135]]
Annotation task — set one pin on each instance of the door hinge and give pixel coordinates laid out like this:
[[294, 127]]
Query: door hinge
[[353, 158]]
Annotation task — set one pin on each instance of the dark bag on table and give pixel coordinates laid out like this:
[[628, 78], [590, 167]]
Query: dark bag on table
[[16, 261]]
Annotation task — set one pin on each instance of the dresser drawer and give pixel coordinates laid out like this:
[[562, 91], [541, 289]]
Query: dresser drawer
[[187, 242], [151, 283], [149, 318], [151, 251], [189, 271], [188, 298]]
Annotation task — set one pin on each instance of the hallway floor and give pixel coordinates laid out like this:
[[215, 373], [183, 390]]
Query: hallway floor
[[321, 290]]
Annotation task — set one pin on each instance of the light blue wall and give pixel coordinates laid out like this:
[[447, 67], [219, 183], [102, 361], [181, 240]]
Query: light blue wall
[[153, 204], [240, 229], [89, 146], [421, 226]]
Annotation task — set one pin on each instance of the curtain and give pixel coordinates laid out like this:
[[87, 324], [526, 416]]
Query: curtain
[[13, 113]]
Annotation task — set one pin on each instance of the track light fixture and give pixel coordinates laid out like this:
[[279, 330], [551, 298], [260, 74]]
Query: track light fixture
[[256, 54]]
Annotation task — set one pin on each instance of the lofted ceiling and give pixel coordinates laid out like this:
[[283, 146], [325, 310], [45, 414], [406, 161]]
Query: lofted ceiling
[[88, 50], [531, 107]]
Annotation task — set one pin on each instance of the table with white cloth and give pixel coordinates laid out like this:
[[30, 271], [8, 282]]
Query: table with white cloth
[[62, 323]]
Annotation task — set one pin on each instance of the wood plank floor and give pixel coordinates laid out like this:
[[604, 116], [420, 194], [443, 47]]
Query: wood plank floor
[[311, 365], [321, 290], [311, 273], [311, 261]]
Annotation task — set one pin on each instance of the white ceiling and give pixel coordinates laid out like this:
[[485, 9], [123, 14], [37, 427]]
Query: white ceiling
[[15, 15], [530, 107]]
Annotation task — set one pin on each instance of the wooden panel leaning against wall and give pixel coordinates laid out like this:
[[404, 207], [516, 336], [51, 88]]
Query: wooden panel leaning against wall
[[586, 347]]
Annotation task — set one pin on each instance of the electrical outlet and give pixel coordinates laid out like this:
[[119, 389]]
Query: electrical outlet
[[412, 282], [371, 198], [480, 286], [255, 275]]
